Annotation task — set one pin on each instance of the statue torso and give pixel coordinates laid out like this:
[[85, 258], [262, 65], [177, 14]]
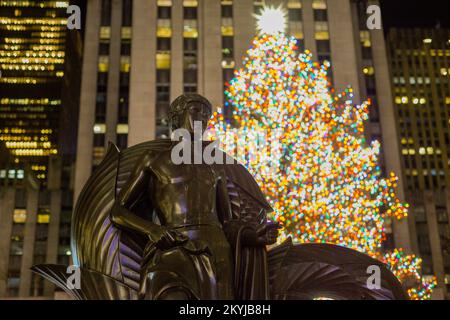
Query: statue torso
[[184, 194]]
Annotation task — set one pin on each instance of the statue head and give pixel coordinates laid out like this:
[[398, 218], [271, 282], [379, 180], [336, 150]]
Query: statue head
[[186, 109]]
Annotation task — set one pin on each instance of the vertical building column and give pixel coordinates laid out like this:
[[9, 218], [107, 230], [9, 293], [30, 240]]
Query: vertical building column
[[176, 50], [210, 67], [28, 242], [142, 113], [435, 241], [54, 185], [359, 58], [243, 16], [113, 89], [53, 237], [390, 142], [7, 203], [447, 203], [309, 27], [88, 96], [343, 47]]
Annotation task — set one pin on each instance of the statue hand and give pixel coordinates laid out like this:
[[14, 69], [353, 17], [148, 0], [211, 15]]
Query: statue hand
[[261, 234], [269, 232], [170, 238]]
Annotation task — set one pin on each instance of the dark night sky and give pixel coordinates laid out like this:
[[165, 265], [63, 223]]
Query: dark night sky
[[415, 13]]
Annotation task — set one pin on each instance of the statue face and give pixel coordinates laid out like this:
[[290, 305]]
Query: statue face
[[195, 111]]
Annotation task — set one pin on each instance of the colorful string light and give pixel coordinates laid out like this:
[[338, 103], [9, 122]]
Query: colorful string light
[[306, 148], [407, 269]]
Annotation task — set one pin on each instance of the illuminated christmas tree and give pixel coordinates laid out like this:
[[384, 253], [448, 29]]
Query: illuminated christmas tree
[[305, 145]]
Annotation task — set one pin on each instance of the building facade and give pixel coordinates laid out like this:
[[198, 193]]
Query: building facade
[[32, 55], [39, 95], [420, 66], [34, 226], [140, 55]]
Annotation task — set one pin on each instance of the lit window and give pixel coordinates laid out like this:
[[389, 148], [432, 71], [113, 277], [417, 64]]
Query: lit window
[[43, 218], [126, 33], [122, 129], [105, 32], [319, 4], [364, 36], [190, 3], [422, 150], [164, 3], [125, 64], [226, 31], [368, 71], [228, 64], [99, 128], [164, 28], [164, 32], [321, 31], [294, 4], [61, 4], [296, 29], [98, 154], [227, 27], [190, 29], [427, 40], [163, 61], [103, 63], [322, 35], [20, 174], [20, 215]]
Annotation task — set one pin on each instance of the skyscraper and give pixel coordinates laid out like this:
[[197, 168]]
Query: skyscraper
[[39, 94], [420, 64], [32, 53], [140, 55]]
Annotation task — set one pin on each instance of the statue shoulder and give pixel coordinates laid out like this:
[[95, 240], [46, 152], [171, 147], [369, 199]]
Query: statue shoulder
[[148, 150], [131, 156]]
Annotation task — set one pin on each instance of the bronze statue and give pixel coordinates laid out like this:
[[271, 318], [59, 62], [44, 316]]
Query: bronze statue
[[146, 228]]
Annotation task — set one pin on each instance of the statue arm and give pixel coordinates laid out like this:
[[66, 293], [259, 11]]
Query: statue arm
[[121, 213], [231, 224]]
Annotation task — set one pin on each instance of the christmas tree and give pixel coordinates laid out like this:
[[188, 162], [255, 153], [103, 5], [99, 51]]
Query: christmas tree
[[306, 148]]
